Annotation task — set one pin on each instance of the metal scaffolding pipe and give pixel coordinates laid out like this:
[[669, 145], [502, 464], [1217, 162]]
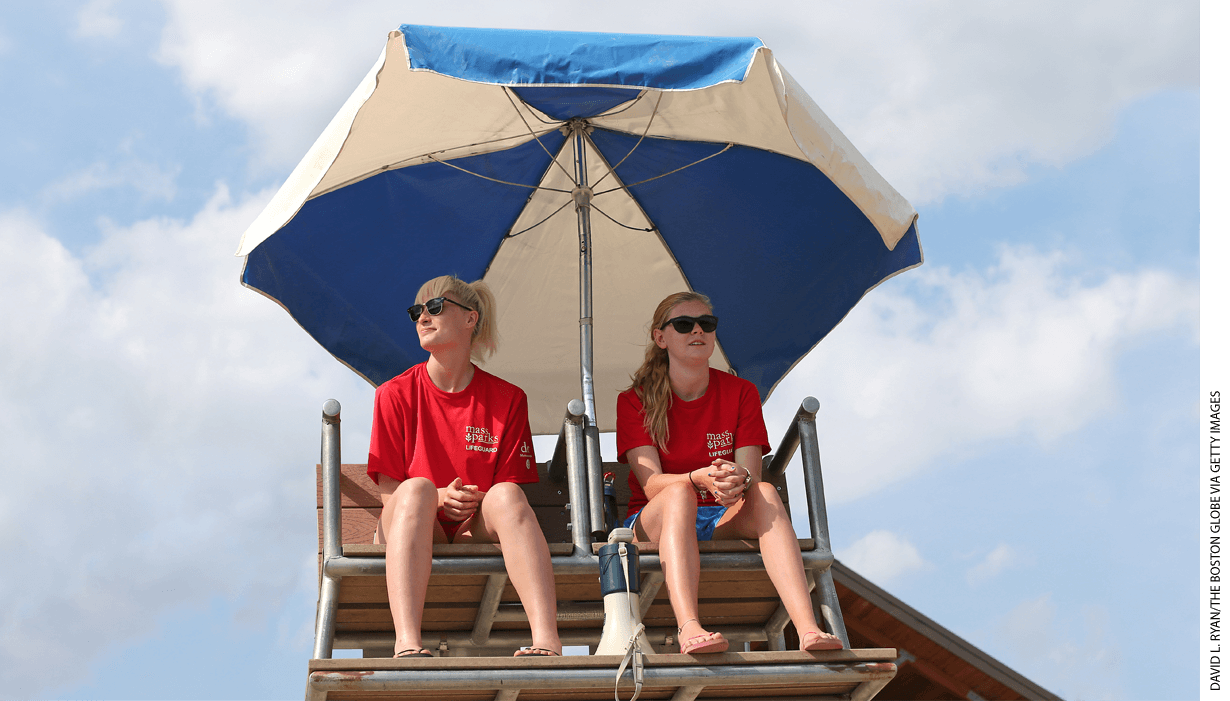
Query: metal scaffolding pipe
[[564, 564], [331, 471], [574, 422], [601, 677]]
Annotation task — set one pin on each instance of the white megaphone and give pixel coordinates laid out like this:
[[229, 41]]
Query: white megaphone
[[619, 574]]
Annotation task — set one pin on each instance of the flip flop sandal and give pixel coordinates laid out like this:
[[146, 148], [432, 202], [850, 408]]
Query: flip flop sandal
[[814, 641], [703, 643], [535, 652], [412, 652]]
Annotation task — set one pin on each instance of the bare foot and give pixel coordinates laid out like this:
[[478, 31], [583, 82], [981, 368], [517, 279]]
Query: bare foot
[[815, 640]]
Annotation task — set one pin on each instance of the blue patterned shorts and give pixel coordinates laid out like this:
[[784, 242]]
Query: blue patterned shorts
[[707, 518]]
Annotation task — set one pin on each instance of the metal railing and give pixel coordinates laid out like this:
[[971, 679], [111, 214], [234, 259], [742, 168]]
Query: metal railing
[[576, 446]]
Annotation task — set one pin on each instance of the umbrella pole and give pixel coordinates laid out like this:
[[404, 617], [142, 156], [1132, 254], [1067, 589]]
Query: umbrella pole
[[581, 197]]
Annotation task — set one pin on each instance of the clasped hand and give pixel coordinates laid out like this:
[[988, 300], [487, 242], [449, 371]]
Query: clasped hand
[[459, 501], [729, 481]]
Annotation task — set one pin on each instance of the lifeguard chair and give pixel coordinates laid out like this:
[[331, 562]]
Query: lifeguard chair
[[706, 167], [474, 620]]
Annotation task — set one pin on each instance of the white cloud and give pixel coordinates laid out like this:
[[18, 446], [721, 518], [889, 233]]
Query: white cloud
[[96, 20], [943, 97], [1075, 653], [996, 561], [162, 444], [149, 180], [882, 556], [941, 368]]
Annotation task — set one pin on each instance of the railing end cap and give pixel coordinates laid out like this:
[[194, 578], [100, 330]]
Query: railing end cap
[[332, 409], [810, 406]]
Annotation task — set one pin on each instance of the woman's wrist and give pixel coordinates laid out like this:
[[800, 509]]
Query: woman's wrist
[[694, 485]]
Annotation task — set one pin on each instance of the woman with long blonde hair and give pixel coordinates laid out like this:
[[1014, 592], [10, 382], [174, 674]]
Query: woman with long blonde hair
[[694, 438], [449, 444]]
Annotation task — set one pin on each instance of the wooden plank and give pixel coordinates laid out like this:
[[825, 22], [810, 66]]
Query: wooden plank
[[448, 549], [358, 490], [359, 526], [731, 586]]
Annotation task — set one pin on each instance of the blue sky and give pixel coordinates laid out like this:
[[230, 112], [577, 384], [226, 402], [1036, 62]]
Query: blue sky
[[1007, 431]]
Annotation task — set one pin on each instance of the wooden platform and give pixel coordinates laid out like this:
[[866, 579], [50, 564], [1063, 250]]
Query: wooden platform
[[839, 674]]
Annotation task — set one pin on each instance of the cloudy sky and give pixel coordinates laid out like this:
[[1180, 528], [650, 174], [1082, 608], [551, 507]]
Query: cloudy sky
[[1007, 430]]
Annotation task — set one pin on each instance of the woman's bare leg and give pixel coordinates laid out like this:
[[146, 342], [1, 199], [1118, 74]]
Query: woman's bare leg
[[670, 519], [506, 517], [408, 522], [762, 516]]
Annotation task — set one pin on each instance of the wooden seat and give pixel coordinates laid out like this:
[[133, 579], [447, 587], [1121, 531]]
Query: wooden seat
[[837, 674], [473, 618]]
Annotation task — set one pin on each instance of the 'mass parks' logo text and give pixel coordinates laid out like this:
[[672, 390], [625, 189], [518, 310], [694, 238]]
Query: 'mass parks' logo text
[[719, 444], [480, 439]]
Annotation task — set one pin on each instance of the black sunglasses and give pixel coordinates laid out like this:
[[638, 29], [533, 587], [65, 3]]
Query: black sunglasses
[[684, 324], [433, 306]]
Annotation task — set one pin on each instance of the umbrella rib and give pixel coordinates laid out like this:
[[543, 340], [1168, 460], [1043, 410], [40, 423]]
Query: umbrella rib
[[544, 220], [531, 131], [613, 219], [642, 182], [630, 105], [634, 146], [459, 148], [496, 180]]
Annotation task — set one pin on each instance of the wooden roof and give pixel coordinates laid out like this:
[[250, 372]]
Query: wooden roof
[[933, 662]]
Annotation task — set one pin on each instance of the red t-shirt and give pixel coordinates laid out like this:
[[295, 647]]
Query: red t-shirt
[[480, 434], [727, 417]]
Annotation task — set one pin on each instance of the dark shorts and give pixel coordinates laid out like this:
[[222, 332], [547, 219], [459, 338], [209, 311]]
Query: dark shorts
[[707, 518]]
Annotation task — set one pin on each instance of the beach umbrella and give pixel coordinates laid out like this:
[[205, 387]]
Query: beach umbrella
[[584, 177]]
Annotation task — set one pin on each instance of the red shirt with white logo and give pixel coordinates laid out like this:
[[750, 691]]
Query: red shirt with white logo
[[480, 434], [727, 417]]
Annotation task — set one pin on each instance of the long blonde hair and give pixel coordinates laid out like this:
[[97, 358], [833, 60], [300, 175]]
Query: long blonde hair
[[652, 381], [477, 295]]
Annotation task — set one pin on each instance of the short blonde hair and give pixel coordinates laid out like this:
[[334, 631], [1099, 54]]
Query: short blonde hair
[[476, 295]]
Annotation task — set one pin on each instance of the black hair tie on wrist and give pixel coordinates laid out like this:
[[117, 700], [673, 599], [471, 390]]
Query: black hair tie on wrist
[[698, 489]]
